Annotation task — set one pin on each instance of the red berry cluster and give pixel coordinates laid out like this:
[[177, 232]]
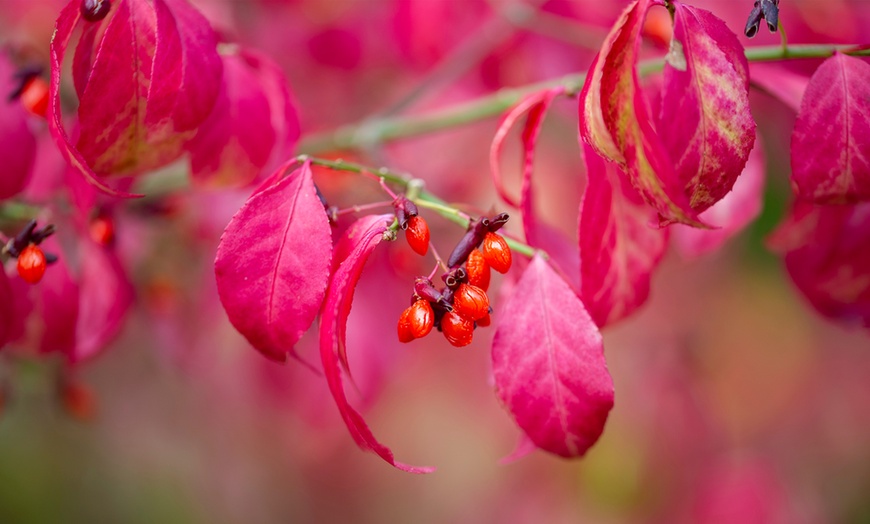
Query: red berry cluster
[[462, 305], [32, 261]]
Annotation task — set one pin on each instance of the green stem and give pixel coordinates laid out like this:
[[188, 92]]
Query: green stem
[[366, 134], [423, 198]]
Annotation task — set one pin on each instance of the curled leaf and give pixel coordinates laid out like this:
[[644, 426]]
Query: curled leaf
[[706, 126], [619, 246], [139, 103], [273, 264], [359, 242], [548, 364], [615, 119], [536, 106], [830, 146]]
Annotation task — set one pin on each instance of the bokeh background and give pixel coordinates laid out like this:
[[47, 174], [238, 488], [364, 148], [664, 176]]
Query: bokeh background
[[735, 402]]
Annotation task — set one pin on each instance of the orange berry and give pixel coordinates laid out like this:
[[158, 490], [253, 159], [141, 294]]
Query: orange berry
[[422, 318], [470, 302], [417, 234], [457, 330], [478, 270], [406, 333], [102, 230], [496, 252], [34, 97], [79, 401], [31, 264], [485, 321]]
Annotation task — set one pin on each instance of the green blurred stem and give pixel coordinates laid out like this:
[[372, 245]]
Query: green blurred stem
[[377, 131], [414, 190]]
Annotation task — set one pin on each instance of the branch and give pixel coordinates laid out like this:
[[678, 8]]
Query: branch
[[372, 132]]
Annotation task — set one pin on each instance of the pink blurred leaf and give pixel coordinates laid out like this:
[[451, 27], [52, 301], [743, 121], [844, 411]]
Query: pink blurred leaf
[[615, 119], [827, 254], [140, 102], [619, 244], [706, 126], [7, 308], [536, 106], [830, 146], [17, 143], [361, 239], [105, 297], [538, 234], [252, 122], [731, 214], [83, 310], [548, 364], [273, 263], [780, 83]]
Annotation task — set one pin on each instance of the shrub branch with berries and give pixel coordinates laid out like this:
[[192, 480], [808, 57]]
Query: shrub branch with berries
[[670, 150]]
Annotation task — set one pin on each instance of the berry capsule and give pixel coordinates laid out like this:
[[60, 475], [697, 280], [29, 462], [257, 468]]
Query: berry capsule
[[496, 252], [457, 330], [34, 96], [422, 318], [95, 10], [478, 270], [406, 334], [102, 230], [470, 302], [485, 321], [31, 264], [418, 235]]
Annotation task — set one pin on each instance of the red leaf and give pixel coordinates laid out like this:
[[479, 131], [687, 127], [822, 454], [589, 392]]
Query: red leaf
[[830, 146], [252, 124], [548, 364], [731, 214], [827, 254], [615, 119], [273, 264], [359, 242], [619, 247], [706, 126], [17, 143]]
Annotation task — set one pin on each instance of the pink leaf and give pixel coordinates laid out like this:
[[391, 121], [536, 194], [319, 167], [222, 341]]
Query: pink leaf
[[780, 83], [83, 311], [17, 143], [619, 246], [252, 122], [273, 264], [830, 146], [7, 308], [105, 297], [731, 214], [549, 366], [615, 119], [536, 106], [827, 254], [362, 238], [706, 126], [538, 234]]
